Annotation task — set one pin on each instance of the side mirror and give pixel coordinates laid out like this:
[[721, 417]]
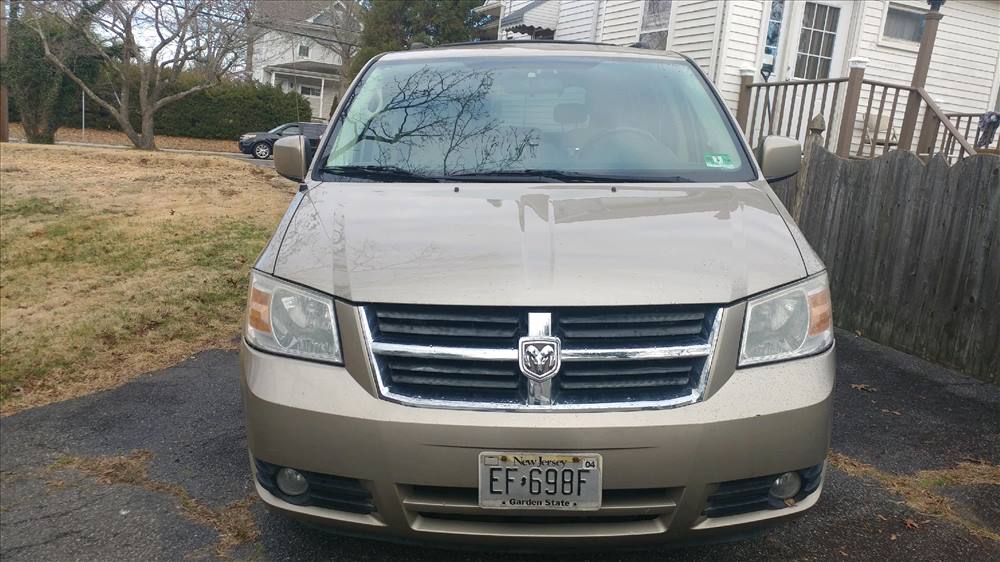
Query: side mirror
[[290, 158], [779, 157]]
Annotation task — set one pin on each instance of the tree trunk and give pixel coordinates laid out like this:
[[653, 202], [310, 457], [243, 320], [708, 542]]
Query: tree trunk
[[148, 140]]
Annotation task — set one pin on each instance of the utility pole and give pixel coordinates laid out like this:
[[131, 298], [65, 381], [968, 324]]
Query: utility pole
[[4, 125]]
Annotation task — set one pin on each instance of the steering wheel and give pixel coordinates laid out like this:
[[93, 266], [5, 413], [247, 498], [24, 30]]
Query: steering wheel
[[619, 131]]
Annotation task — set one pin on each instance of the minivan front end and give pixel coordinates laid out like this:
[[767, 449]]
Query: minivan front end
[[558, 342], [396, 460]]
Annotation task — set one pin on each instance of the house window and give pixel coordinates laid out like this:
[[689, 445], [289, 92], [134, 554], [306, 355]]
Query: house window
[[309, 91], [819, 31], [903, 24], [303, 50], [655, 20], [773, 33]]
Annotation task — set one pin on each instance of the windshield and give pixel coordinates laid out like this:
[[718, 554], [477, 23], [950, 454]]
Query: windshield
[[278, 128], [564, 118]]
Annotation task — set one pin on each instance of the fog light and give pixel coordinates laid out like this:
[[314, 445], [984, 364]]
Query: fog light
[[291, 482], [786, 486]]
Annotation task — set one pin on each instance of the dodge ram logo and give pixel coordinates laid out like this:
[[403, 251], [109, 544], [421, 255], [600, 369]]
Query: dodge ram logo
[[538, 357]]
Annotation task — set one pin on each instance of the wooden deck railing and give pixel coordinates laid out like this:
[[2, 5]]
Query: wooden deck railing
[[878, 130], [772, 108], [862, 115], [968, 125]]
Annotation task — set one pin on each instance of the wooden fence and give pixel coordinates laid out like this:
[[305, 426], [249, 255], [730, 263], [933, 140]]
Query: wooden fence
[[912, 249]]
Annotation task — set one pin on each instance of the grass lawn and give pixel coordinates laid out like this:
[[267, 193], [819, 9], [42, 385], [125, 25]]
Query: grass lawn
[[102, 136], [117, 262]]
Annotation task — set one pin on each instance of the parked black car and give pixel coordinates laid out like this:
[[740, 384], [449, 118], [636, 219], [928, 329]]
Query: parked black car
[[261, 145]]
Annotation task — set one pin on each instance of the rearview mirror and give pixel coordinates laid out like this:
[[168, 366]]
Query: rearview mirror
[[290, 157], [779, 157]]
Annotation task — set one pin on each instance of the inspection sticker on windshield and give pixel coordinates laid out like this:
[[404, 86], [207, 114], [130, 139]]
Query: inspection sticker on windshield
[[719, 160]]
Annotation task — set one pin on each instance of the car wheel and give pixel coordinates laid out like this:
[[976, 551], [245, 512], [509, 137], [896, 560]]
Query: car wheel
[[262, 150]]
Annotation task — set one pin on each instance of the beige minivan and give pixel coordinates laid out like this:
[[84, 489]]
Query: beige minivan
[[537, 294]]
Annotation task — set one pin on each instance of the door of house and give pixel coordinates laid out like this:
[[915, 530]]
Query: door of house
[[806, 40], [815, 39]]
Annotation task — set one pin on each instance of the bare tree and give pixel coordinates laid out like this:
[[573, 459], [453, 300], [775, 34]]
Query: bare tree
[[147, 47]]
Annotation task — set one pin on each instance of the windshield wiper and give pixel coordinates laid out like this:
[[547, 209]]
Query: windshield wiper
[[561, 176], [384, 173]]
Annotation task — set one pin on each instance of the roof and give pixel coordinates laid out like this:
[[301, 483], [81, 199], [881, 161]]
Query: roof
[[306, 67], [532, 16], [530, 47]]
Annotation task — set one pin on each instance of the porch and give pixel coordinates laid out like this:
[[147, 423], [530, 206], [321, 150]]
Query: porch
[[317, 82], [863, 117]]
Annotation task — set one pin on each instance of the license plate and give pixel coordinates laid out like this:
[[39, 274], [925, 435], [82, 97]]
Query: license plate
[[540, 481]]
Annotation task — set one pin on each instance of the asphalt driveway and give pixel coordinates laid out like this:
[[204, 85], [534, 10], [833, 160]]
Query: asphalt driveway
[[157, 470]]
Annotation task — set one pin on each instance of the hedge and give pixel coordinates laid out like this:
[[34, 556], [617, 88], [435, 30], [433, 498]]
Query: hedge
[[224, 111], [230, 109]]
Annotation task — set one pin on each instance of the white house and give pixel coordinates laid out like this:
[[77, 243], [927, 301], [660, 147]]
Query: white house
[[297, 47], [799, 39]]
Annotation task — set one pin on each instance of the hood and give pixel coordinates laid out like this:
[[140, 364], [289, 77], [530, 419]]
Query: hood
[[538, 245]]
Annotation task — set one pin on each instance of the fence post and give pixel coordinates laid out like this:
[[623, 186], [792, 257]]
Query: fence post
[[850, 113], [743, 105], [814, 140]]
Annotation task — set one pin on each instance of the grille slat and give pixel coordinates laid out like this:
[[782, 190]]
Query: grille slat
[[630, 318], [626, 383], [611, 356], [449, 367], [444, 315], [622, 370], [462, 331], [641, 331], [466, 382]]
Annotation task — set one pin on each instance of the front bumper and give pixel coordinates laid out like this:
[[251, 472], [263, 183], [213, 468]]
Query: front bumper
[[419, 464], [245, 145]]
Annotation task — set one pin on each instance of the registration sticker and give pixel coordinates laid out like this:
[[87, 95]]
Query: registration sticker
[[719, 160]]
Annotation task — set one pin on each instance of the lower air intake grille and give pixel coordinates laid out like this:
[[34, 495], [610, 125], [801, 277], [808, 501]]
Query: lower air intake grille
[[752, 494], [325, 490], [611, 357]]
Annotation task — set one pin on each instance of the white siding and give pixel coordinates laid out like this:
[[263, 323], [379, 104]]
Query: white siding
[[963, 68], [741, 46], [277, 47], [693, 31], [620, 21], [576, 20]]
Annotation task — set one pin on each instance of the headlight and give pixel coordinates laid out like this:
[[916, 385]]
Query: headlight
[[290, 320], [790, 322]]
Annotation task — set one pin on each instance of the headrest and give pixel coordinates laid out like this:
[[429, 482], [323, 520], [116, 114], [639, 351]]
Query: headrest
[[569, 113]]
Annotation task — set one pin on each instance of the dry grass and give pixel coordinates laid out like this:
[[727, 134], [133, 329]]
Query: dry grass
[[918, 491], [114, 263], [99, 136], [234, 523]]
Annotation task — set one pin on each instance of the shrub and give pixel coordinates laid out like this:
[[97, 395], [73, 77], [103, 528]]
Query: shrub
[[224, 111], [230, 109]]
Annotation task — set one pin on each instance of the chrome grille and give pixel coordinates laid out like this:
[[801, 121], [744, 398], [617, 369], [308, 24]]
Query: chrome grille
[[631, 326], [612, 357], [449, 325]]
